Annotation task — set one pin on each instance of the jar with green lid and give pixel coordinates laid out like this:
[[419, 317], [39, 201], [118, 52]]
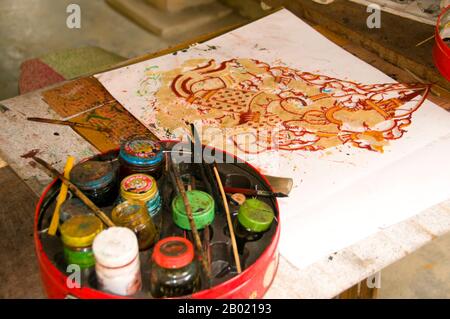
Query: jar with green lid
[[77, 235], [174, 271], [203, 210], [97, 180], [142, 188], [134, 215], [254, 218]]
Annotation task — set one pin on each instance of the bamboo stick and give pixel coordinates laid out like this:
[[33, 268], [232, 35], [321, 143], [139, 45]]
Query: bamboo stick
[[230, 224], [100, 214]]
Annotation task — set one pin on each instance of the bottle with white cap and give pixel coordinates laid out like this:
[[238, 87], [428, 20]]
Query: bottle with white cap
[[117, 267]]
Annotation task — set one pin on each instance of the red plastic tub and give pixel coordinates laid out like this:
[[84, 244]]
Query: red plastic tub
[[441, 52], [253, 282]]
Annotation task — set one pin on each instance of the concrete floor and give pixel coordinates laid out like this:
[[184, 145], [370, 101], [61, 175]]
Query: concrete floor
[[423, 274], [30, 28]]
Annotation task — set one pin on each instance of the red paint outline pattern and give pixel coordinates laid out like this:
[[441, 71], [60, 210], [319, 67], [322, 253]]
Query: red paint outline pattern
[[216, 87]]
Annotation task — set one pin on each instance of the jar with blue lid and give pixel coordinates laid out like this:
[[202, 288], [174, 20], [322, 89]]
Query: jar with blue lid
[[141, 155], [144, 189], [97, 180]]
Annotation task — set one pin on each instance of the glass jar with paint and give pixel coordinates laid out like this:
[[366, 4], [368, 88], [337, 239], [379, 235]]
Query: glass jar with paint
[[134, 216], [254, 218], [73, 207], [142, 188], [97, 180], [203, 210], [117, 266], [174, 272], [77, 235], [142, 155]]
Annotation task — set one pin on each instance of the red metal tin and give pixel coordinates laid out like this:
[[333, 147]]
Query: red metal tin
[[441, 52], [253, 282]]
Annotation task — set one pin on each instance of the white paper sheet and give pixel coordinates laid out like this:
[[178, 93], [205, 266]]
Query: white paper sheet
[[341, 194]]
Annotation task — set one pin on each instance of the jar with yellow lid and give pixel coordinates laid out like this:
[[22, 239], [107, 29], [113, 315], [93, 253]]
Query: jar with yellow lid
[[77, 235], [144, 189], [134, 216]]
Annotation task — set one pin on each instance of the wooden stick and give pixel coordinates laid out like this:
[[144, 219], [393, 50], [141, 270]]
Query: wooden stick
[[68, 123], [61, 197], [187, 205], [103, 217], [424, 41], [206, 231], [205, 169], [207, 245], [230, 224]]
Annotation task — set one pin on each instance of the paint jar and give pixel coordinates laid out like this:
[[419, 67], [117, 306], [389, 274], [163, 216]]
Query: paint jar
[[117, 267], [202, 205], [254, 218], [77, 235], [174, 272], [134, 216], [142, 188], [97, 180], [141, 155]]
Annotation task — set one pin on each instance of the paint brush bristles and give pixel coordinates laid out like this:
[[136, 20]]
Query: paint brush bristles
[[100, 214], [230, 224]]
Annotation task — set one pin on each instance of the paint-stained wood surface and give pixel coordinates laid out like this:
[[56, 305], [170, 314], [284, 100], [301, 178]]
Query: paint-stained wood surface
[[77, 96], [86, 101]]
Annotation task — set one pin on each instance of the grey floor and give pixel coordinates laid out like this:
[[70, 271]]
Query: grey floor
[[423, 274], [31, 28]]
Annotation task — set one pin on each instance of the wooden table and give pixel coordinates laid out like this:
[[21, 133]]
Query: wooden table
[[339, 273]]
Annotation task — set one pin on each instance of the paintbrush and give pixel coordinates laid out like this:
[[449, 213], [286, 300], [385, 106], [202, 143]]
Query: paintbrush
[[253, 192], [69, 123], [100, 214]]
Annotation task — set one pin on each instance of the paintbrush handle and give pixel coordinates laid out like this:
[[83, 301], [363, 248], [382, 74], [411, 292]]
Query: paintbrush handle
[[245, 191], [100, 214], [67, 123], [252, 192]]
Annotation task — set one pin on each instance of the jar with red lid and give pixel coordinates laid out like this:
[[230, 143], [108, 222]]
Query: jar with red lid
[[174, 271], [141, 155]]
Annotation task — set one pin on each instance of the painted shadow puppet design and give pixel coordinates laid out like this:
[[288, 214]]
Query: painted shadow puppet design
[[262, 107]]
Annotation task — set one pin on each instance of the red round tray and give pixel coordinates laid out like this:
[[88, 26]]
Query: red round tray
[[441, 52], [253, 282]]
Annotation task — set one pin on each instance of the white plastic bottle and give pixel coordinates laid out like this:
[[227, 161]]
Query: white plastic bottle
[[117, 266]]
